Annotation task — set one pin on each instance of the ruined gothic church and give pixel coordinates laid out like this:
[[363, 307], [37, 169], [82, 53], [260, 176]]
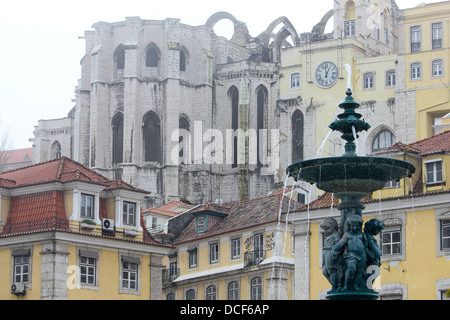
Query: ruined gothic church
[[143, 80]]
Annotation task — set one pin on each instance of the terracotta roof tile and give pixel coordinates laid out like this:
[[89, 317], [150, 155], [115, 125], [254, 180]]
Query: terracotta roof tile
[[36, 212], [243, 214], [436, 144]]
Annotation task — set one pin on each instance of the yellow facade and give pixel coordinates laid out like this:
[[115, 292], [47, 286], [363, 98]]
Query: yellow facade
[[426, 50]]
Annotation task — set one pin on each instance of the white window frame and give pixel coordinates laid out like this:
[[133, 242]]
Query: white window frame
[[437, 68], [296, 80], [192, 258], [416, 71], [236, 249], [90, 255], [233, 293], [435, 176], [256, 289], [125, 263], [394, 222], [369, 81], [416, 38], [391, 80], [126, 214], [436, 34], [83, 198], [214, 253], [349, 28]]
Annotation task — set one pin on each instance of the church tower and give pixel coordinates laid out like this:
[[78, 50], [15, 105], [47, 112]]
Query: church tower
[[372, 22]]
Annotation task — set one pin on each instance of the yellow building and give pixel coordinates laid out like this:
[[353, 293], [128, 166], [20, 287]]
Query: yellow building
[[416, 239], [67, 232], [424, 56], [235, 251]]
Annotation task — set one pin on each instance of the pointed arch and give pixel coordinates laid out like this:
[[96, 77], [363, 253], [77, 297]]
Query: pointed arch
[[233, 95], [151, 131], [152, 56], [298, 123], [117, 138], [262, 98]]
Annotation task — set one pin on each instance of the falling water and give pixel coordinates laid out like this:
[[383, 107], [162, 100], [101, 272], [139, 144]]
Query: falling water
[[322, 146], [355, 135]]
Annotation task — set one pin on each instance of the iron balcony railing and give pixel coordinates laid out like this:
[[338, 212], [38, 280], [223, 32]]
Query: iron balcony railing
[[169, 275], [253, 258]]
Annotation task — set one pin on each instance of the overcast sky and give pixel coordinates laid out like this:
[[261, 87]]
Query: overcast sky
[[41, 52]]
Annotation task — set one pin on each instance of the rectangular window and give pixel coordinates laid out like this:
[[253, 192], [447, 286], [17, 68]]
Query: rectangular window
[[390, 78], [369, 81], [214, 253], [437, 35], [129, 213], [386, 36], [416, 71], [235, 249], [193, 258], [445, 235], [201, 224], [391, 242], [295, 80], [129, 275], [349, 28], [438, 68], [434, 172], [87, 206], [376, 31], [415, 39], [21, 269], [88, 270]]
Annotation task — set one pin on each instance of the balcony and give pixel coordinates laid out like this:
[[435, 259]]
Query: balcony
[[254, 258], [169, 275]]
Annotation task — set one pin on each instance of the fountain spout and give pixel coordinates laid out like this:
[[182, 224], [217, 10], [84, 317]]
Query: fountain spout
[[347, 122]]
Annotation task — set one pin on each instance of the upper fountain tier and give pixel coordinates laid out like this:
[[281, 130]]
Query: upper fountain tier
[[350, 173]]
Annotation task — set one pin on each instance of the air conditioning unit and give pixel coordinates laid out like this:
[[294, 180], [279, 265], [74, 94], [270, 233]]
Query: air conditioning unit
[[18, 288], [108, 224]]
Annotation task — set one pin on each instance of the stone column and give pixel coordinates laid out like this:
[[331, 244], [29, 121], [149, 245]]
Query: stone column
[[302, 262], [156, 267], [54, 263]]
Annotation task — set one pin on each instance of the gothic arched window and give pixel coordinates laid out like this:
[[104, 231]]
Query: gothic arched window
[[119, 57], [297, 136], [117, 139], [233, 93], [262, 98], [152, 57], [184, 126], [56, 150], [152, 138]]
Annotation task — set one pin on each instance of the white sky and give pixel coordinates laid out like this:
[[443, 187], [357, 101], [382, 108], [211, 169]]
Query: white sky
[[40, 53]]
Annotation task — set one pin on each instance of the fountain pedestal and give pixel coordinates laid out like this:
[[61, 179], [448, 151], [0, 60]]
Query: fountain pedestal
[[351, 255]]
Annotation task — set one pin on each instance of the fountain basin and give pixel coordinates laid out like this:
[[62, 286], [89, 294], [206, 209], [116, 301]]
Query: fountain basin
[[351, 174]]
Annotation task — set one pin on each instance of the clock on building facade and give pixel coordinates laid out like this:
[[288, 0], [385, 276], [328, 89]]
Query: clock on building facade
[[326, 74]]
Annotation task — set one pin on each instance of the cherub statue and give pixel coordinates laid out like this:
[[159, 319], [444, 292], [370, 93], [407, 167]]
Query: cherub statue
[[371, 229], [353, 245], [330, 262]]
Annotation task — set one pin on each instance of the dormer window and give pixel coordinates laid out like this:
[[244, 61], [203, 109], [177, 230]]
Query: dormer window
[[87, 206], [129, 213], [201, 224]]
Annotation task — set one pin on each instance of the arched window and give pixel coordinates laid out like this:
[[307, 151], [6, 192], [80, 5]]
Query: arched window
[[190, 294], [152, 57], [56, 150], [119, 57], [117, 139], [233, 94], [297, 136], [170, 296], [182, 61], [262, 97], [369, 80], [152, 138], [383, 140], [184, 126], [233, 290], [256, 289], [211, 293]]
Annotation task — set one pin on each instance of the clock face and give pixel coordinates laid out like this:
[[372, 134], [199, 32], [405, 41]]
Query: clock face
[[326, 74]]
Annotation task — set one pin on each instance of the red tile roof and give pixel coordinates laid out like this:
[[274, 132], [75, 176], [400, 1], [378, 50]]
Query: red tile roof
[[436, 144], [172, 209], [241, 215], [17, 156], [36, 212], [59, 170]]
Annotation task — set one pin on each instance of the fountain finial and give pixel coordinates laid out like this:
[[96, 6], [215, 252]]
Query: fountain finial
[[349, 123]]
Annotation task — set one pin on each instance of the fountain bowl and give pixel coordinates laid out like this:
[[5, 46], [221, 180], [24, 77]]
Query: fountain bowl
[[351, 174]]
